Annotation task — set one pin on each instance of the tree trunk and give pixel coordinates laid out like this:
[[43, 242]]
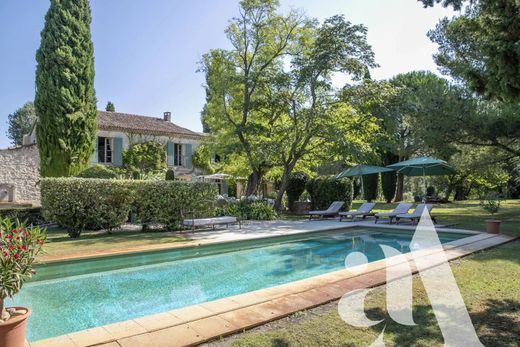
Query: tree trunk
[[281, 190], [3, 314], [253, 182], [399, 192]]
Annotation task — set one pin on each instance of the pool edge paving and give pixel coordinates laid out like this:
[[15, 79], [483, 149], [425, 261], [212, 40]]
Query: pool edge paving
[[204, 322]]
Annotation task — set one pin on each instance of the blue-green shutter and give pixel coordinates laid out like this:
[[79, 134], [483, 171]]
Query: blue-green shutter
[[95, 156], [169, 154], [188, 154], [118, 151]]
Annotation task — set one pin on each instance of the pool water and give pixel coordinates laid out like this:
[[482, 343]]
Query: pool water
[[72, 296]]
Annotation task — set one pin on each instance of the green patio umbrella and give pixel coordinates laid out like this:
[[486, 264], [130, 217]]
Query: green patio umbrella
[[423, 166], [361, 170]]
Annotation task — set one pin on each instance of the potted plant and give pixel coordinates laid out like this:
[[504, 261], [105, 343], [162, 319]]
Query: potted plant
[[19, 247], [491, 203]]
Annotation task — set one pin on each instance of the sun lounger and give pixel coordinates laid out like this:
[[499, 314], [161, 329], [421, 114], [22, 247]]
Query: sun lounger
[[363, 211], [416, 214], [402, 208], [332, 211], [206, 222]]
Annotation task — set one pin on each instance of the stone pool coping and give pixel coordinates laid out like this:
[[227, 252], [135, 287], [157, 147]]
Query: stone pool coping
[[201, 323], [249, 231]]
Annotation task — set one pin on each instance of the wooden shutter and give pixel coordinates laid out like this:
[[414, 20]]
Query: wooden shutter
[[188, 154], [169, 154], [117, 154]]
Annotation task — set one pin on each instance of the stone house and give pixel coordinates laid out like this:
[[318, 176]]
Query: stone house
[[19, 167]]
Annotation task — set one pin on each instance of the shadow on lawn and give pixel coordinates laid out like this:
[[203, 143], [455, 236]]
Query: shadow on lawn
[[497, 324]]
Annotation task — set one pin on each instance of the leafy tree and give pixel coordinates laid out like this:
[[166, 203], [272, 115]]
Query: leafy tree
[[144, 158], [202, 158], [408, 108], [21, 122], [304, 111], [110, 107], [65, 97], [236, 78], [480, 46]]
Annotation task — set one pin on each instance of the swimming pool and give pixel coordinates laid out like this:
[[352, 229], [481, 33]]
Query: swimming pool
[[77, 295]]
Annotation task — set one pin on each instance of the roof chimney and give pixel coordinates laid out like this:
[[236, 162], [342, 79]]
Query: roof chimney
[[168, 116]]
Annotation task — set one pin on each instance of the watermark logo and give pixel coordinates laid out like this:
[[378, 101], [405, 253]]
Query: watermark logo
[[438, 280]]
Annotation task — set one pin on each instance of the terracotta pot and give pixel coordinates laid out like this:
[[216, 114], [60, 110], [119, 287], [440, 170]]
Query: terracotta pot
[[12, 332], [493, 226]]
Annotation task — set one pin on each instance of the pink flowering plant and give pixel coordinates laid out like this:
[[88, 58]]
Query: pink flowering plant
[[19, 247]]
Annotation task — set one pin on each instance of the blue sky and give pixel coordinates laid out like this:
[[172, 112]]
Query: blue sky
[[147, 51]]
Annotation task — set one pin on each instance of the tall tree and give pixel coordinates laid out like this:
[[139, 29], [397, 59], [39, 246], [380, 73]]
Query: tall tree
[[306, 111], [260, 38], [21, 122], [65, 97], [110, 107], [480, 46]]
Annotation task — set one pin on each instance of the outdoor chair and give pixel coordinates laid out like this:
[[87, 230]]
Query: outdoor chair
[[416, 214], [363, 211], [332, 211], [402, 208]]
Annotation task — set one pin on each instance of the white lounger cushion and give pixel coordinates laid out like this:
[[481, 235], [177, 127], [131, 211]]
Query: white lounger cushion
[[402, 208], [210, 221], [417, 213], [362, 210]]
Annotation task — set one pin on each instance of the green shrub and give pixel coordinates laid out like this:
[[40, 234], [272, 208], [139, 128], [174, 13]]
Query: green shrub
[[325, 190], [370, 183], [430, 191], [247, 210], [170, 175], [27, 215], [144, 158], [295, 187], [166, 202], [76, 203], [97, 171]]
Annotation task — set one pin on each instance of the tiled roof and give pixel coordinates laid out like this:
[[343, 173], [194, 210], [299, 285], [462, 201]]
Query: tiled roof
[[131, 123]]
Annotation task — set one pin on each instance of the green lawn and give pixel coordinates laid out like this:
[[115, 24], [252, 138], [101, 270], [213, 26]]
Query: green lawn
[[469, 214], [466, 215], [60, 244], [489, 282]]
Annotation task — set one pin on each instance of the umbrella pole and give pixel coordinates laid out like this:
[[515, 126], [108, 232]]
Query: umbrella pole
[[362, 188], [424, 184]]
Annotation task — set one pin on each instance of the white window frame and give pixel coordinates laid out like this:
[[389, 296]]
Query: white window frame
[[108, 148], [178, 154]]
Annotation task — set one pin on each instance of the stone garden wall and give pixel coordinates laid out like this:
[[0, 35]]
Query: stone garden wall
[[19, 168]]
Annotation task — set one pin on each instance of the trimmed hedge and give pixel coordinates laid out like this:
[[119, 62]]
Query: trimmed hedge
[[247, 211], [165, 202], [325, 190], [76, 203]]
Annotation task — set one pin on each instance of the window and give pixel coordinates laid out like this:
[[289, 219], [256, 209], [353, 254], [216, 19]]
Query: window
[[105, 150], [177, 155]]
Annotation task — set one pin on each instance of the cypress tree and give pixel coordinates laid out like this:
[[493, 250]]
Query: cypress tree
[[389, 179], [110, 107], [370, 186], [65, 97]]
